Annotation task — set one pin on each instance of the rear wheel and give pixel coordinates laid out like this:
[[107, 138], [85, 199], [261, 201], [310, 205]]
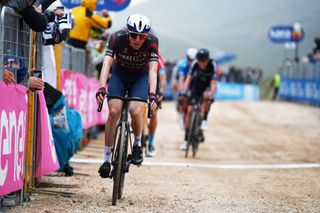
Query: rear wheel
[[117, 162]]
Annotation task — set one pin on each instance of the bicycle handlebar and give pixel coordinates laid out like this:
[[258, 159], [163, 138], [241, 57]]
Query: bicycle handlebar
[[127, 99]]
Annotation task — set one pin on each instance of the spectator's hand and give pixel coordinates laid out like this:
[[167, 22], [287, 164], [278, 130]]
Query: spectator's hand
[[59, 12], [105, 13], [38, 9], [8, 77], [36, 83]]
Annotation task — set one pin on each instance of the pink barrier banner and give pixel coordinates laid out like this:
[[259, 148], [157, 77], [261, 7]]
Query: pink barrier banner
[[13, 129], [46, 156], [80, 94]]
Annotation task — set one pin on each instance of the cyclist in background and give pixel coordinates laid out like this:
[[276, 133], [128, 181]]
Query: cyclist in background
[[201, 83], [134, 55], [161, 85], [183, 67]]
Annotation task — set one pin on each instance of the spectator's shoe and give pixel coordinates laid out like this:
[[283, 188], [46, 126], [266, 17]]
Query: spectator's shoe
[[204, 125], [104, 170], [68, 170], [151, 151], [184, 145], [7, 202], [137, 156]]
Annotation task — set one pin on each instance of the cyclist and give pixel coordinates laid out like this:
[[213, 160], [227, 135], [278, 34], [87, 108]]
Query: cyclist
[[201, 82], [183, 67], [161, 85], [134, 55]]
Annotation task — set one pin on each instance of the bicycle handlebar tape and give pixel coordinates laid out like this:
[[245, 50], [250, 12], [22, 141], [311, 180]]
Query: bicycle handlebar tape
[[100, 105], [149, 110]]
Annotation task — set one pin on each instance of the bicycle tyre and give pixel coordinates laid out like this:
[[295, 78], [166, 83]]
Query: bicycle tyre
[[197, 123], [190, 134], [118, 157], [124, 161]]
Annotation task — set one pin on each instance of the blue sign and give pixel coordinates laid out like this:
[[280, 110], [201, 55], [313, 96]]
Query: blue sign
[[283, 34], [236, 91], [304, 90], [110, 5]]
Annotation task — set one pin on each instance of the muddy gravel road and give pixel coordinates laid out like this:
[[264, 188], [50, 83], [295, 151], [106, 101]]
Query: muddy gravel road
[[257, 157]]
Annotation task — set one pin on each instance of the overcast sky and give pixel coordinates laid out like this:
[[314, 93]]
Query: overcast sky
[[234, 26]]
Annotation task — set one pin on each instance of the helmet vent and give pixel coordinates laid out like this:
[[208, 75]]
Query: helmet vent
[[140, 25]]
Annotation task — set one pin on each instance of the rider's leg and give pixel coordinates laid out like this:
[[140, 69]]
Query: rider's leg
[[139, 89], [116, 87], [114, 113], [205, 110], [135, 110], [153, 126], [152, 129]]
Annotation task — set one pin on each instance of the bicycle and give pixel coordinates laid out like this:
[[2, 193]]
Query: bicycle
[[120, 158], [194, 129]]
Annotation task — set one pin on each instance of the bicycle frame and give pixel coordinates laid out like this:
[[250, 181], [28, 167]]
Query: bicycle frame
[[120, 158]]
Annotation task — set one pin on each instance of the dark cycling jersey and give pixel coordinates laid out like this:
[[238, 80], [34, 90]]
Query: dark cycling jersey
[[129, 60], [201, 78]]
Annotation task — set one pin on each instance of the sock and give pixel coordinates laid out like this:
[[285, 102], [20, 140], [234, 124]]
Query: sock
[[137, 140], [107, 153], [186, 134], [151, 139]]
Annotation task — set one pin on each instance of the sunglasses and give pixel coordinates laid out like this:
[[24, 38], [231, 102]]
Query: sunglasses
[[141, 36]]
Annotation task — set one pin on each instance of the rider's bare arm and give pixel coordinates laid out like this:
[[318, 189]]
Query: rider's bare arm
[[213, 86], [180, 83], [163, 81], [187, 82], [153, 67], [107, 63]]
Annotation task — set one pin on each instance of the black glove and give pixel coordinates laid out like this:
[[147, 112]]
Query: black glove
[[102, 91]]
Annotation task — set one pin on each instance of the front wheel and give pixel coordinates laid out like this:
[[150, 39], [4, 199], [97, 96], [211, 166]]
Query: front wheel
[[117, 162], [191, 133], [124, 165], [196, 129]]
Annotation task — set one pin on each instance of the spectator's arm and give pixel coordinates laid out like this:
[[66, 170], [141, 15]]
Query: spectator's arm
[[36, 21], [99, 21], [46, 3]]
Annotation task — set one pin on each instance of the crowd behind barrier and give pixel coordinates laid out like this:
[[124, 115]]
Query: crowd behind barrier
[[31, 142], [300, 82], [14, 43]]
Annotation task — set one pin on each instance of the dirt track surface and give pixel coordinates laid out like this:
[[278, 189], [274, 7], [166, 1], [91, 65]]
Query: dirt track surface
[[239, 133]]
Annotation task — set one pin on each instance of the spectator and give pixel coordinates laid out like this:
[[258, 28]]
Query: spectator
[[31, 15], [85, 19], [275, 83], [34, 82]]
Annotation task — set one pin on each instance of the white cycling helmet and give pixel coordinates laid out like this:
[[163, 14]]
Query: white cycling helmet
[[191, 53], [138, 23]]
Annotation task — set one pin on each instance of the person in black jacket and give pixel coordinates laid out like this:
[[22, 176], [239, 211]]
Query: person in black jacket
[[31, 15]]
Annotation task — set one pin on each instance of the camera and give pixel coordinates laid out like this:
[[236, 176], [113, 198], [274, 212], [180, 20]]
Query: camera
[[37, 73]]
